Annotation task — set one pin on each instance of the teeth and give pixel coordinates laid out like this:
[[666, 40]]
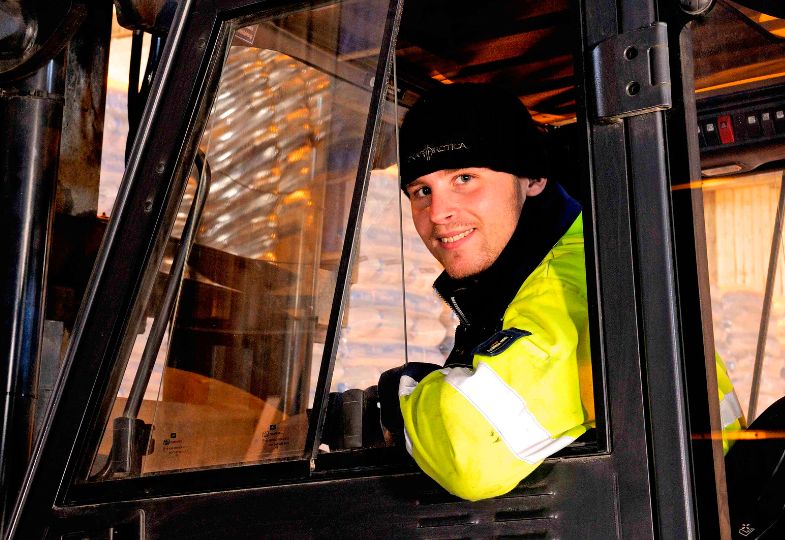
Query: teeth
[[455, 238]]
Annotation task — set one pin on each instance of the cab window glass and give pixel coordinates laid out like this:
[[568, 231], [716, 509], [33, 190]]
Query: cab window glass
[[740, 97], [235, 373], [740, 215], [234, 379], [741, 122], [393, 315], [391, 286]]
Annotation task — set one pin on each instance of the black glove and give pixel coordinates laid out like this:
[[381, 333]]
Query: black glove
[[389, 382]]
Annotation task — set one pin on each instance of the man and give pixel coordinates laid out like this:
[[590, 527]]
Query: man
[[517, 385]]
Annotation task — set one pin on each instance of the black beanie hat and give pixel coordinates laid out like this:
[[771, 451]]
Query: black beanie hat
[[470, 125]]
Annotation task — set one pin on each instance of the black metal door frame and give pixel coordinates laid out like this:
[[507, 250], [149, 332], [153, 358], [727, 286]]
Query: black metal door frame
[[675, 345]]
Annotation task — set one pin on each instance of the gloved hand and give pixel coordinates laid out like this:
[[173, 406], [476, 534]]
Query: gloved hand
[[389, 382]]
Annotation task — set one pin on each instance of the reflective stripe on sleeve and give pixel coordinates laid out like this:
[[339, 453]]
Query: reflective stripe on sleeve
[[506, 411], [550, 447], [730, 409], [409, 447], [406, 386]]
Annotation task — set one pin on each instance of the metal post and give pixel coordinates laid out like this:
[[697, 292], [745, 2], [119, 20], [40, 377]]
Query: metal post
[[87, 63], [763, 331], [30, 124]]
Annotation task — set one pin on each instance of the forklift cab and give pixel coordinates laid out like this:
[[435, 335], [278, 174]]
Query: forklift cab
[[259, 271]]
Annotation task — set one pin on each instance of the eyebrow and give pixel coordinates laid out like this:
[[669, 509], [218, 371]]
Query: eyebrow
[[453, 171], [448, 171]]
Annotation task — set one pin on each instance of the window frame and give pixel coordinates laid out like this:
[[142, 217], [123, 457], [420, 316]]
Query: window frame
[[153, 185]]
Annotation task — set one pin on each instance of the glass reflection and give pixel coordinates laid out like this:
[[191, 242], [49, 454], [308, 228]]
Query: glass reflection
[[233, 377]]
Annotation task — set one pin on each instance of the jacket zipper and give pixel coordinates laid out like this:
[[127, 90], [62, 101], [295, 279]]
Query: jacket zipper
[[454, 306], [458, 311]]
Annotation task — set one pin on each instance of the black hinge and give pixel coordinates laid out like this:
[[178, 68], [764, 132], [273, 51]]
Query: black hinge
[[631, 73]]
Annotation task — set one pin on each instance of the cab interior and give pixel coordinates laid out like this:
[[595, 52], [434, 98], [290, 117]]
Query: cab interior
[[259, 353]]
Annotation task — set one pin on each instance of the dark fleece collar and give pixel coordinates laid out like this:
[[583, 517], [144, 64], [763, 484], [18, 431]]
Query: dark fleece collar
[[483, 298]]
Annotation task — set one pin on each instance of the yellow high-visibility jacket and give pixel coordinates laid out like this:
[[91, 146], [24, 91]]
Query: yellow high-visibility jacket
[[731, 415], [479, 431]]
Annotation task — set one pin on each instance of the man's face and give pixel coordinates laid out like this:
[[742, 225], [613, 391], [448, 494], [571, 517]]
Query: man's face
[[465, 217]]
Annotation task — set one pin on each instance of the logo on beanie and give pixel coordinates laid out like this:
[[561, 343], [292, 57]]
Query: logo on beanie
[[428, 151]]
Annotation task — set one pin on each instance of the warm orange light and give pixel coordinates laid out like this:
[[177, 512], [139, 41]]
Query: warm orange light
[[297, 196], [740, 82], [747, 435], [298, 154], [298, 113], [702, 184], [441, 78]]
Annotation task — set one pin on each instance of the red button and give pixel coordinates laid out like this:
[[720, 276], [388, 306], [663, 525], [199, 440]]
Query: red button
[[725, 127]]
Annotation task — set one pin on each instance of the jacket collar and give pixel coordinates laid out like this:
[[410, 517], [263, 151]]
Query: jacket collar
[[483, 298]]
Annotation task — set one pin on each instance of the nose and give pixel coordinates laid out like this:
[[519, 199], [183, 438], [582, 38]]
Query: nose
[[443, 208]]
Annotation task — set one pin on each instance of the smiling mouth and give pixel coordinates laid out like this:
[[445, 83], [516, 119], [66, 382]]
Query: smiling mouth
[[455, 238]]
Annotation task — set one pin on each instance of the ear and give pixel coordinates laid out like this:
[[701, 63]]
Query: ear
[[535, 186]]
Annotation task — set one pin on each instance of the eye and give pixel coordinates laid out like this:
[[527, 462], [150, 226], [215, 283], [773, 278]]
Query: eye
[[419, 192], [463, 178]]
